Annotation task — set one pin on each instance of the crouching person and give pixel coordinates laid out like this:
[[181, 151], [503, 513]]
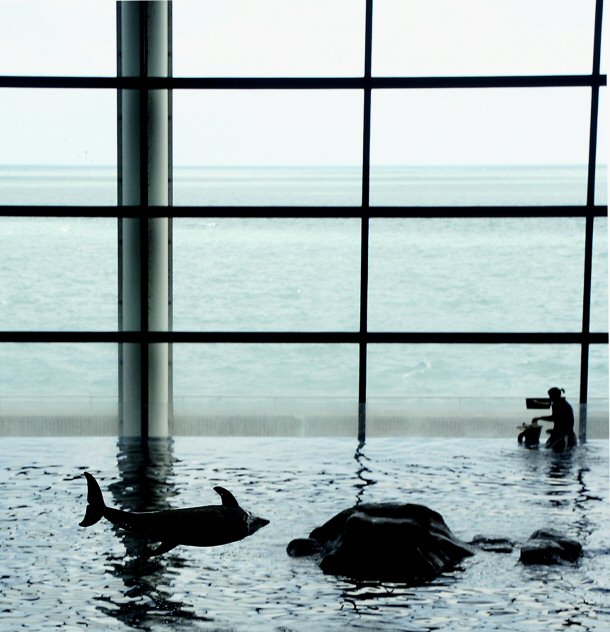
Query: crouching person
[[562, 432]]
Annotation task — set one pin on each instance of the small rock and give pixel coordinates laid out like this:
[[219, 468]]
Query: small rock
[[303, 547], [493, 545], [548, 546]]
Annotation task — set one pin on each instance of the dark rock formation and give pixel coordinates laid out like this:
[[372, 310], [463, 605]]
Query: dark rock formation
[[549, 547], [385, 541]]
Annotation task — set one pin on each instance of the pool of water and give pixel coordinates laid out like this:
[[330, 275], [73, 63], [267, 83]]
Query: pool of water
[[54, 573]]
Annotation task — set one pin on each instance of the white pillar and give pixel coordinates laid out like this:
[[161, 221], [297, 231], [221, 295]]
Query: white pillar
[[144, 265]]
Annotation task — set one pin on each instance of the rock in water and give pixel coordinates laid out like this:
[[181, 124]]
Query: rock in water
[[549, 547], [493, 544], [384, 541]]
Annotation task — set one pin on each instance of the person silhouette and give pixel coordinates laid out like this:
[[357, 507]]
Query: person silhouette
[[562, 432]]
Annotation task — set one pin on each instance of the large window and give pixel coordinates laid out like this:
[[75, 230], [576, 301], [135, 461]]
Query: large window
[[384, 216]]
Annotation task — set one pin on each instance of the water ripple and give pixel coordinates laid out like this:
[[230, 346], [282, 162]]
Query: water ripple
[[55, 573]]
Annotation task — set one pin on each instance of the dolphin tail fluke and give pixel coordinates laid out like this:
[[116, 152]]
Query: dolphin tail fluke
[[95, 500]]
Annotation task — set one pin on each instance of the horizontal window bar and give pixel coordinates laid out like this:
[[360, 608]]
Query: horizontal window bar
[[301, 83], [304, 337], [597, 210]]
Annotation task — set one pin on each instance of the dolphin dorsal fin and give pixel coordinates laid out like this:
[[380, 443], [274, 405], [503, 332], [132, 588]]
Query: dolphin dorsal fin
[[228, 500]]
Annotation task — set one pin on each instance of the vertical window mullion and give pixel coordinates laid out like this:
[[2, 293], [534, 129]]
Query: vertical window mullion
[[588, 258], [364, 239], [170, 221]]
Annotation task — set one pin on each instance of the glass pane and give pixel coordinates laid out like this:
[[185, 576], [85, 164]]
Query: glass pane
[[266, 274], [58, 274], [50, 389], [267, 186], [58, 185], [58, 147], [57, 37], [454, 390], [601, 172], [267, 147], [479, 147], [268, 38], [604, 51], [476, 275], [478, 37], [597, 406], [266, 389], [599, 276]]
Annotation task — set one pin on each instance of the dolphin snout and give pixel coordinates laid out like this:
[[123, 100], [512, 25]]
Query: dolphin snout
[[256, 524]]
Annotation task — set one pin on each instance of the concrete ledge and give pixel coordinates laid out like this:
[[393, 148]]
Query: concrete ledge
[[259, 425], [58, 426]]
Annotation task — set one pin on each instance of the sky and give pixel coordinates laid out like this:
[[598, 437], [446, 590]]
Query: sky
[[312, 38]]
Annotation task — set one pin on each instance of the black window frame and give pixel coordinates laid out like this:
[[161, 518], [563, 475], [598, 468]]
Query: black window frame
[[367, 84]]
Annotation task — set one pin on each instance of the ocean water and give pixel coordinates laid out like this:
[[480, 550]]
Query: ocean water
[[266, 274], [57, 574]]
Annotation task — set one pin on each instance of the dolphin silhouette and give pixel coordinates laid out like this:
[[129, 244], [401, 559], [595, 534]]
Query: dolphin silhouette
[[210, 525]]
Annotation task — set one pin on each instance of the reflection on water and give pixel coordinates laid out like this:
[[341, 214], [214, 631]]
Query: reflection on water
[[568, 487], [56, 574], [362, 482], [560, 476], [146, 484]]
